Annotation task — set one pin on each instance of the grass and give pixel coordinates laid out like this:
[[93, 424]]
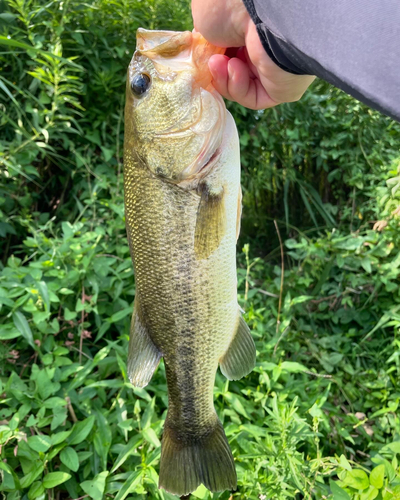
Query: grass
[[318, 417]]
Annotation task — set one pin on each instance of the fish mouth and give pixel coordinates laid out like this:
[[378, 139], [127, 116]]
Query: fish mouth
[[162, 43], [177, 51]]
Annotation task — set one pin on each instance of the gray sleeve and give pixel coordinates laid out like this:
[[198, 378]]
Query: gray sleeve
[[353, 44]]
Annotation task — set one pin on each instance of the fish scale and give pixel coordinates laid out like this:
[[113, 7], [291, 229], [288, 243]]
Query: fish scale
[[201, 307], [182, 235]]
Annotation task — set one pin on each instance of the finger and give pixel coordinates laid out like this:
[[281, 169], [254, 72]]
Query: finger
[[243, 55], [234, 80], [245, 88], [218, 65]]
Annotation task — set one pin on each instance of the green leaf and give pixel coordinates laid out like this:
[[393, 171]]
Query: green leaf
[[6, 468], [303, 194], [44, 293], [102, 438], [349, 242], [44, 384], [357, 479], [366, 264], [236, 404], [338, 492], [293, 367], [9, 332], [23, 327], [69, 457], [95, 487], [148, 415], [33, 474], [7, 17], [127, 450], [344, 463], [55, 478], [370, 493], [103, 329], [150, 436], [54, 402], [120, 315], [300, 299], [126, 425], [395, 446], [59, 437], [81, 431], [59, 417], [35, 490], [389, 471], [129, 485], [202, 493], [108, 153], [69, 315], [15, 43], [377, 475], [39, 443]]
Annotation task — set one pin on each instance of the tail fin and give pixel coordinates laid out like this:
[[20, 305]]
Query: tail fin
[[184, 466]]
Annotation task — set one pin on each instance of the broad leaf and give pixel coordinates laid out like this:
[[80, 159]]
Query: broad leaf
[[95, 487], [80, 431], [55, 478], [69, 457]]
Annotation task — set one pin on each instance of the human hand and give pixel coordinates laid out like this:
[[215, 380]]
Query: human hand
[[247, 74]]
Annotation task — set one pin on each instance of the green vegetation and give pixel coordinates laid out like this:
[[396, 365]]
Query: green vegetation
[[318, 417]]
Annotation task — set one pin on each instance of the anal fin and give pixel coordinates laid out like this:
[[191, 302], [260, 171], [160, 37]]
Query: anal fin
[[143, 355], [240, 358], [210, 222]]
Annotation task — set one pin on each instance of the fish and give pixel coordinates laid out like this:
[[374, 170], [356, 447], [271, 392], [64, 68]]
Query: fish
[[182, 208]]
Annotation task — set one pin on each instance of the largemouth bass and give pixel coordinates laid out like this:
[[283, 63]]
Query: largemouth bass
[[183, 204]]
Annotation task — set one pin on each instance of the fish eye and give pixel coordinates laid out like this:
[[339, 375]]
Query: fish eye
[[140, 84]]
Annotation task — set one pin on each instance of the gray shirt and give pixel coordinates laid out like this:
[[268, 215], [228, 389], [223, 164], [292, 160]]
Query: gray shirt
[[353, 44]]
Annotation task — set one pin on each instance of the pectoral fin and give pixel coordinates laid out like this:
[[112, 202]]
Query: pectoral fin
[[240, 358], [210, 222], [143, 355]]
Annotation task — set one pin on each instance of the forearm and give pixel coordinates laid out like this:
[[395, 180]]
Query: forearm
[[352, 44]]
